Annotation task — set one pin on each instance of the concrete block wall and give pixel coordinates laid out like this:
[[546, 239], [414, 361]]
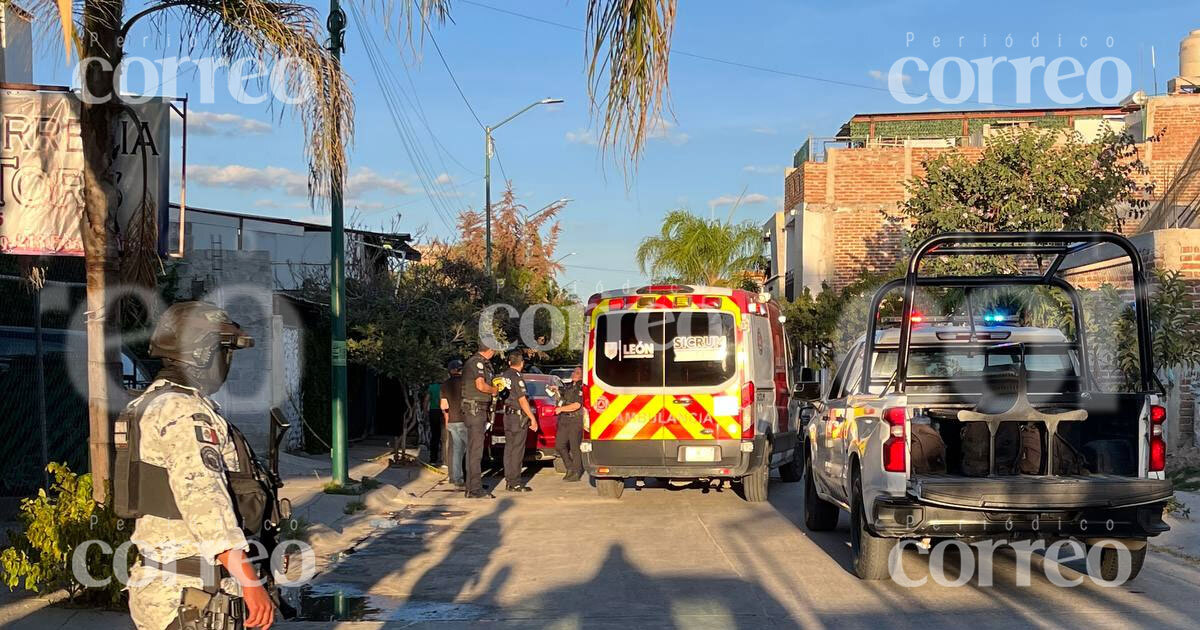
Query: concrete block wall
[[242, 283]]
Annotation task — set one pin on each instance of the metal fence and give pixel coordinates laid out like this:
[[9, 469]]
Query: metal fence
[[43, 404]]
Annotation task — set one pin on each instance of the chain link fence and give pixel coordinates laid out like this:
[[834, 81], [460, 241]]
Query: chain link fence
[[43, 411]]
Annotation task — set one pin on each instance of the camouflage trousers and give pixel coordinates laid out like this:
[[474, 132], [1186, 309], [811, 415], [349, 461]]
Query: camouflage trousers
[[154, 604]]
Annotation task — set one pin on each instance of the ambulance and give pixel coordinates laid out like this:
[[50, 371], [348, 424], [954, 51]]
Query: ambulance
[[688, 382]]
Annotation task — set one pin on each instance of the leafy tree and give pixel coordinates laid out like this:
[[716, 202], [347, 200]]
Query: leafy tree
[[695, 250], [56, 523], [523, 247], [1029, 180]]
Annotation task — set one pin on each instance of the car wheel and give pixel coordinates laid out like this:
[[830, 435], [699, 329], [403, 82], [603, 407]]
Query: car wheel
[[1110, 563], [559, 466], [610, 488], [819, 514], [793, 470], [868, 552]]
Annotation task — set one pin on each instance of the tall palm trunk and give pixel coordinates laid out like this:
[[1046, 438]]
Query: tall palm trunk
[[102, 25]]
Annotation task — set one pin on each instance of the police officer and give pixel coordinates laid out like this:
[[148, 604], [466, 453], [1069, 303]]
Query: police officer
[[569, 433], [184, 454], [477, 392], [516, 429]]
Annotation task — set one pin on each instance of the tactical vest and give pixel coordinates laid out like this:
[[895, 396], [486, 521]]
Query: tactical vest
[[142, 489]]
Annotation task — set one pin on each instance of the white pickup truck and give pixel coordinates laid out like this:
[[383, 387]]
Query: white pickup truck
[[891, 441]]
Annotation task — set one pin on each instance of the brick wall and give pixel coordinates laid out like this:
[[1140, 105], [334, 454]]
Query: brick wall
[[863, 187]]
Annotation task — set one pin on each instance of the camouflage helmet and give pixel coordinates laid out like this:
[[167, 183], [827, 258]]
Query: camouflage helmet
[[191, 332]]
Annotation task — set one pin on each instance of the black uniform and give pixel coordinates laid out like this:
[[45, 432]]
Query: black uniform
[[475, 409], [570, 431], [516, 427]]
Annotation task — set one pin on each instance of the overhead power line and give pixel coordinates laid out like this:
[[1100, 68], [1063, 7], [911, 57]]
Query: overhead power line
[[709, 58]]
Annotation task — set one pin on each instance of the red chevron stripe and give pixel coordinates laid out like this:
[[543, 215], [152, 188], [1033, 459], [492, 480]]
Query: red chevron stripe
[[625, 415]]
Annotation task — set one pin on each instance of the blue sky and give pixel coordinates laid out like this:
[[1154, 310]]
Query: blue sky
[[731, 131]]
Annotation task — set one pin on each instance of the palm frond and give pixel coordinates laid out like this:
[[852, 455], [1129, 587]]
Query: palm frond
[[631, 39], [288, 37]]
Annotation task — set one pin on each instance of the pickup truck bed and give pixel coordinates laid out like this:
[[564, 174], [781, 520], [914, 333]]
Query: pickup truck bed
[[1041, 493]]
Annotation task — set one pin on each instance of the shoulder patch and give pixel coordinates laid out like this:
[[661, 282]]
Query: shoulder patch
[[202, 418], [211, 459], [207, 435], [479, 365]]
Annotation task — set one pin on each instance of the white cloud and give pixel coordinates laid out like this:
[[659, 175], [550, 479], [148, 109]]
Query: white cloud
[[763, 170], [748, 199], [249, 178], [444, 179], [657, 129], [880, 75], [582, 136], [365, 180], [218, 124], [294, 183], [662, 129]]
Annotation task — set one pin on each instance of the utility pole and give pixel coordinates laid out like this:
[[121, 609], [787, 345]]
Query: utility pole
[[487, 196], [487, 175], [337, 279]]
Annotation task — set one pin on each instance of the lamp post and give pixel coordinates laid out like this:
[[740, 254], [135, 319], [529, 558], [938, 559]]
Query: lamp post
[[487, 174], [337, 279]]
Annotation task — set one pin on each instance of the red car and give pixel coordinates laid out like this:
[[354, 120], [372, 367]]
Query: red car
[[544, 395]]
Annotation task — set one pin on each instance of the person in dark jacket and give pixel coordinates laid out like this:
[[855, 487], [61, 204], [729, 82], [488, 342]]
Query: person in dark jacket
[[451, 404], [569, 434]]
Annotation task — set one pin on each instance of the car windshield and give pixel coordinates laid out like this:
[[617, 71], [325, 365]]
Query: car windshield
[[665, 348], [949, 362], [541, 389]]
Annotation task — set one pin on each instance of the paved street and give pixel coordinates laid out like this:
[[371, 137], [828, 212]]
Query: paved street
[[561, 557]]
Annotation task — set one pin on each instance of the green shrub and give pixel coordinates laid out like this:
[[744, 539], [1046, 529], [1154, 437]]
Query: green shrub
[[54, 525]]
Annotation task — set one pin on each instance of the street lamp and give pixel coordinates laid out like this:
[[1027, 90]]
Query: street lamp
[[487, 174]]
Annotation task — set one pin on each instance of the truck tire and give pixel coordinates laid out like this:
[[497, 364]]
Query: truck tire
[[793, 470], [754, 485], [1110, 563], [819, 514], [610, 488], [559, 466], [868, 552]]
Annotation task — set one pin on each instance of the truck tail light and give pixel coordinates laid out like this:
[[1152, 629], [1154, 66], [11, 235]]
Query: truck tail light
[[1158, 446], [748, 410], [894, 446]]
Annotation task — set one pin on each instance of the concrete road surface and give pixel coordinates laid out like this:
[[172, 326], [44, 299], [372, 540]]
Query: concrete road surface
[[562, 557]]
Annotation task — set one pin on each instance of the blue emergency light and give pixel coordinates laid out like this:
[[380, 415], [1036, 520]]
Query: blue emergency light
[[994, 318]]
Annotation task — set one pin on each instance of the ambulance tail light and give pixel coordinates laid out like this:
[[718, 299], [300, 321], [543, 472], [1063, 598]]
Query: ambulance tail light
[[619, 303], [587, 405], [707, 301], [1158, 445], [748, 410], [894, 446]]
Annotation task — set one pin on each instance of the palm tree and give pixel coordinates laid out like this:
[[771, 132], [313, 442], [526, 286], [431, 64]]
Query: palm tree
[[630, 39], [694, 250]]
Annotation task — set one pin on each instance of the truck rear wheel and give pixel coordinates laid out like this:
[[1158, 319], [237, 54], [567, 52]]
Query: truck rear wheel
[[793, 470], [819, 514], [754, 485], [868, 552], [1110, 563], [610, 488]]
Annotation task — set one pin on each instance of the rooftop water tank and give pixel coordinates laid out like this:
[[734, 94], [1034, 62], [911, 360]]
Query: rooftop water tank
[[1189, 55]]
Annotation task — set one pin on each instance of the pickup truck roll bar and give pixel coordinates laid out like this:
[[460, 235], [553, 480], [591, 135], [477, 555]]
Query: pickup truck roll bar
[[1059, 244]]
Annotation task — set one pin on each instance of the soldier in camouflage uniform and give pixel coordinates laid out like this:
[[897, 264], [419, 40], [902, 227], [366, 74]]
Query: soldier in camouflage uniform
[[182, 432]]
